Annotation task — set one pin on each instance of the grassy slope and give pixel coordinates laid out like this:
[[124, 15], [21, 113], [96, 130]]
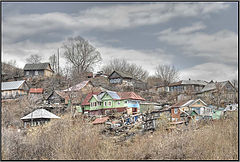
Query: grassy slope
[[67, 139]]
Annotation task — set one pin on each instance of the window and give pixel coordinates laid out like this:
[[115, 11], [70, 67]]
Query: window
[[126, 102], [109, 103], [175, 110], [118, 102], [27, 72], [105, 103], [36, 72]]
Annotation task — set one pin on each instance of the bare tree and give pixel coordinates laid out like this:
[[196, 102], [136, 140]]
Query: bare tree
[[53, 62], [34, 59], [81, 54], [122, 65], [166, 73]]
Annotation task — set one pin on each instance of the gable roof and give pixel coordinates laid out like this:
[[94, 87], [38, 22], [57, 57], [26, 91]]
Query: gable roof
[[189, 82], [39, 66], [130, 95], [78, 86], [12, 85], [36, 90], [88, 97], [187, 103], [123, 75], [212, 86], [113, 94], [40, 113]]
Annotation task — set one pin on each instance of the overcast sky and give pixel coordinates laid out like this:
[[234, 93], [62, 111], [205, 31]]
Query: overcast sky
[[199, 39]]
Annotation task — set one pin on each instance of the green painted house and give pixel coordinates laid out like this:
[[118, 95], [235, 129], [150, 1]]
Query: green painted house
[[101, 103]]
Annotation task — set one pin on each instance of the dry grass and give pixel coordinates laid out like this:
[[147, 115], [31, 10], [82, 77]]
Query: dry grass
[[64, 139]]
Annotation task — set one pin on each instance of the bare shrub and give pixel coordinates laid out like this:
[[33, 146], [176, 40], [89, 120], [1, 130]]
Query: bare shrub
[[75, 139]]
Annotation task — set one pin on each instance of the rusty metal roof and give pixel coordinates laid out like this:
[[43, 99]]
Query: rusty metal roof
[[100, 120], [130, 95], [36, 90], [78, 86], [88, 97]]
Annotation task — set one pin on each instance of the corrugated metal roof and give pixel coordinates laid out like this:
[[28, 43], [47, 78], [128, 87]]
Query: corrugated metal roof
[[36, 90], [78, 86], [198, 82], [211, 86], [39, 66], [123, 75], [130, 95], [113, 94], [100, 120], [12, 85], [40, 113], [97, 98], [189, 82]]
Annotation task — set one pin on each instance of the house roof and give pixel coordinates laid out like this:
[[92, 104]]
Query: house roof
[[113, 94], [97, 98], [88, 97], [62, 94], [130, 95], [187, 103], [12, 85], [100, 120], [39, 66], [212, 86], [40, 113], [36, 90], [78, 86], [187, 82], [123, 75]]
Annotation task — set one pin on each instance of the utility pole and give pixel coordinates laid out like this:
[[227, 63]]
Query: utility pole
[[58, 62]]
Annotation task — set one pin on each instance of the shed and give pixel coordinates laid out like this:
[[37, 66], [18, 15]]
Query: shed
[[38, 117]]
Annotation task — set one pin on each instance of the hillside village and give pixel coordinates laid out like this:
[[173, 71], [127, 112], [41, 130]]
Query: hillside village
[[100, 96]]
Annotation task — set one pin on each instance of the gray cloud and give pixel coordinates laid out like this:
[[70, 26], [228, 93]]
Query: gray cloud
[[43, 33], [219, 46]]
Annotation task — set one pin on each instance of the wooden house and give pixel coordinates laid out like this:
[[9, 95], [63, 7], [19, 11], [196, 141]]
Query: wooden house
[[85, 105], [14, 89], [39, 69], [57, 97], [197, 105], [225, 89], [38, 117], [117, 77], [162, 89], [187, 86], [108, 101]]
